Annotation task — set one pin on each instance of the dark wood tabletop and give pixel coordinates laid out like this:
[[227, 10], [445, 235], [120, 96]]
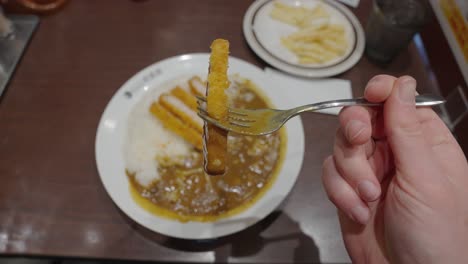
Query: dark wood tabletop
[[52, 202]]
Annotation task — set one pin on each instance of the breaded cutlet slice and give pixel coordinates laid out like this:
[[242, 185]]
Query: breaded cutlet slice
[[176, 125], [182, 111], [197, 86], [185, 96], [214, 138]]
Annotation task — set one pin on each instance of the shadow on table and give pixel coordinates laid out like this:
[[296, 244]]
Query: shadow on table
[[400, 63], [247, 243]]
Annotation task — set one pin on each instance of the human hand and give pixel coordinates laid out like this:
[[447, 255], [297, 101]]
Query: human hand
[[399, 180]]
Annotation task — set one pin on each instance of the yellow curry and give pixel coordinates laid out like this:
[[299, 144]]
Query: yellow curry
[[186, 193]]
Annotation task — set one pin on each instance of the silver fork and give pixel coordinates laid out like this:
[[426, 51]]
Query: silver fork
[[266, 121]]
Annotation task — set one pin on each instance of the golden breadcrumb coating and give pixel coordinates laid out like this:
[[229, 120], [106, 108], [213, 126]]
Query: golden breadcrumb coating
[[185, 97], [214, 138], [197, 86], [176, 125], [182, 111]]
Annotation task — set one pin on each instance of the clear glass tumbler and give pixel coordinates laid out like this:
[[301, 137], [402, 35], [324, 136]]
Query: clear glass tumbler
[[391, 26]]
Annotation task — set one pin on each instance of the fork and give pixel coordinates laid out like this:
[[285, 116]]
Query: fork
[[266, 121]]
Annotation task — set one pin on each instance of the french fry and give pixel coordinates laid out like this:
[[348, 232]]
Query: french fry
[[317, 41], [298, 16]]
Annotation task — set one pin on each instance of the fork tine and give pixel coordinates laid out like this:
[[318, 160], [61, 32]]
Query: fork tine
[[241, 119], [213, 121], [201, 101], [231, 127], [203, 115], [200, 98], [236, 112], [202, 110], [234, 123]]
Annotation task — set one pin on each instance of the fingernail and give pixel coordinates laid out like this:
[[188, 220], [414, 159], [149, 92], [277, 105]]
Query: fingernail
[[375, 80], [354, 128], [368, 191], [360, 214], [407, 90]]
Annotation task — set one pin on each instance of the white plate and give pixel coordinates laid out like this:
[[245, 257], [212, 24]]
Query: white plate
[[112, 130], [263, 35]]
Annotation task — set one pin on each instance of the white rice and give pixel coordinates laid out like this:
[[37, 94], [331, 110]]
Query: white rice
[[147, 138]]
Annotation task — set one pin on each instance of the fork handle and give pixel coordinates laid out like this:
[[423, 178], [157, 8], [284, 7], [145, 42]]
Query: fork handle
[[421, 100]]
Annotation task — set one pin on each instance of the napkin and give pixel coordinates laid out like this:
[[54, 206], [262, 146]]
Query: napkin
[[353, 3], [6, 27], [308, 91]]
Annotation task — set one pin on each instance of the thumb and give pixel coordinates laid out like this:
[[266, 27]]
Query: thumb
[[403, 129]]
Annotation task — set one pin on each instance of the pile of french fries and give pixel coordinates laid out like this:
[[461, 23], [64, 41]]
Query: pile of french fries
[[316, 41]]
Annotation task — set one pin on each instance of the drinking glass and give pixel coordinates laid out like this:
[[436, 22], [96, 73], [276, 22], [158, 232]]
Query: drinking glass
[[391, 26]]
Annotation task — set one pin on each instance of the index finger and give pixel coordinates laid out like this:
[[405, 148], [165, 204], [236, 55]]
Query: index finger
[[379, 88], [360, 123]]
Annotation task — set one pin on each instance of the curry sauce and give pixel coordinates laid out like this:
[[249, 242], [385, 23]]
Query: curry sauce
[[186, 193]]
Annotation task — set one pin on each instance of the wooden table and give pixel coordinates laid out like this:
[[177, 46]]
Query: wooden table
[[52, 202]]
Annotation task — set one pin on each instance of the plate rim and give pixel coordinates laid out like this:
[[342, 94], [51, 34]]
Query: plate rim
[[121, 205], [298, 70]]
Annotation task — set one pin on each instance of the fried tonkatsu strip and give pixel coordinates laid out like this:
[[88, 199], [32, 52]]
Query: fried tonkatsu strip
[[182, 111], [176, 110], [176, 125], [197, 86], [185, 96], [214, 138]]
